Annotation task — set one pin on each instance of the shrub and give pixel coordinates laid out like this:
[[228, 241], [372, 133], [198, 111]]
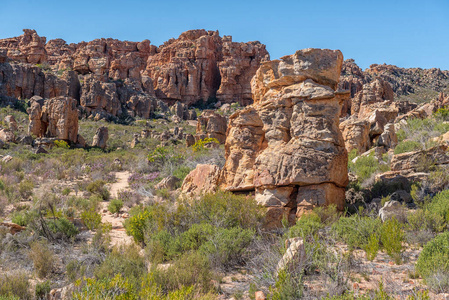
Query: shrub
[[192, 268], [433, 261], [200, 144], [42, 289], [164, 193], [135, 226], [26, 188], [440, 205], [356, 230], [226, 247], [64, 226], [391, 237], [307, 225], [124, 260], [115, 206], [181, 172], [365, 166], [15, 286], [425, 219], [91, 219], [98, 188], [222, 209], [407, 146], [287, 286], [61, 144], [372, 247], [43, 258]]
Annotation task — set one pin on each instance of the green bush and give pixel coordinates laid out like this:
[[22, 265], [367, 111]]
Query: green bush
[[124, 260], [115, 206], [64, 226], [98, 188], [372, 247], [425, 219], [440, 205], [365, 166], [407, 146], [307, 225], [227, 246], [434, 258], [391, 237], [42, 289], [355, 231], [25, 188], [91, 219], [181, 172], [15, 286], [287, 286], [136, 225]]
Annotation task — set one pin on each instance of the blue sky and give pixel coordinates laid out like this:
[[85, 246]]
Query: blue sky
[[404, 33]]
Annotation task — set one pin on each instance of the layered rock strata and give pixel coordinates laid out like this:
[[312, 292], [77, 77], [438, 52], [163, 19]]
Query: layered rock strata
[[287, 146]]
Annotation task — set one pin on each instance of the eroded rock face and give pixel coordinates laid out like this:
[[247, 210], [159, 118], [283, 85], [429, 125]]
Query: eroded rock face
[[55, 118], [288, 146], [211, 125], [23, 81], [202, 65], [122, 77]]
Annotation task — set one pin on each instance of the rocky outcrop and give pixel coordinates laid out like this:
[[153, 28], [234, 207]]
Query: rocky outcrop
[[56, 118], [122, 77], [99, 96], [240, 63], [404, 81], [27, 48], [287, 146], [101, 138], [211, 125], [22, 81], [356, 134], [202, 65], [202, 180], [418, 161], [352, 77]]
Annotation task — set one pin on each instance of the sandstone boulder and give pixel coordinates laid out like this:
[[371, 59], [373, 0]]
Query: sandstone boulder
[[101, 138], [11, 122], [7, 136], [211, 125], [168, 183], [202, 180], [356, 134]]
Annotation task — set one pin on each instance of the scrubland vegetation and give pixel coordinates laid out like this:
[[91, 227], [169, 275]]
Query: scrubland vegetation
[[183, 249]]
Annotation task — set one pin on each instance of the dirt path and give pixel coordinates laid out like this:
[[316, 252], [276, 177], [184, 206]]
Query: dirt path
[[117, 234]]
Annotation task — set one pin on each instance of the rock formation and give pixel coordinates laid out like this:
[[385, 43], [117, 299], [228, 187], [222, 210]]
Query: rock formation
[[56, 117], [211, 125], [122, 77], [287, 146], [202, 65], [101, 138]]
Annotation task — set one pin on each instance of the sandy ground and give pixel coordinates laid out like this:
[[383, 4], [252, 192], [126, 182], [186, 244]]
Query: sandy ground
[[117, 234]]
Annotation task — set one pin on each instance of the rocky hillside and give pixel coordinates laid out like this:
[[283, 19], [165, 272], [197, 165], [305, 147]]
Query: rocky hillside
[[413, 84]]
